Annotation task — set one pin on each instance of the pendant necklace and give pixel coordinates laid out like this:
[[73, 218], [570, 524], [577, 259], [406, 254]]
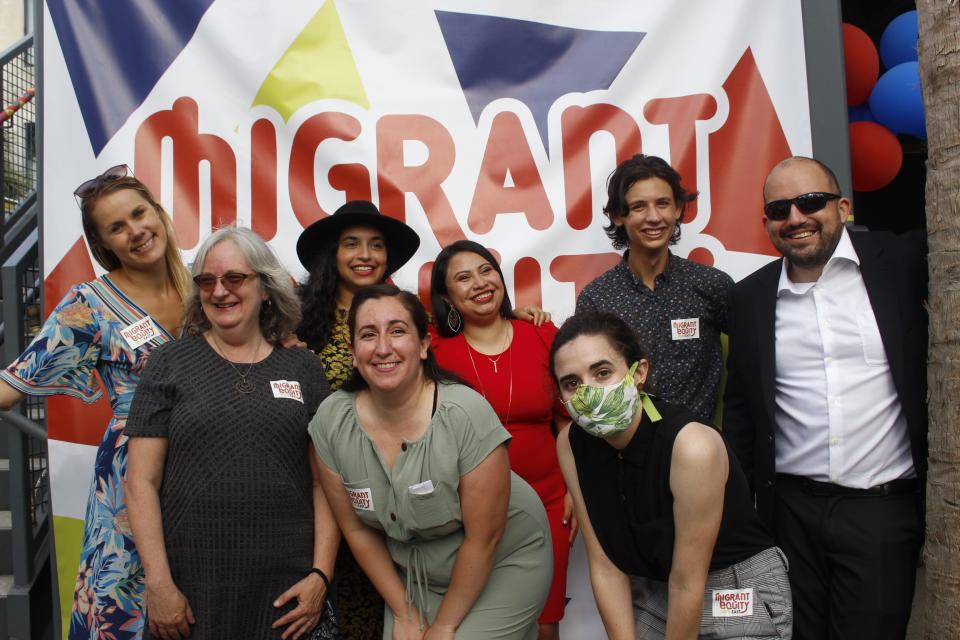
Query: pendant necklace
[[243, 385], [493, 361]]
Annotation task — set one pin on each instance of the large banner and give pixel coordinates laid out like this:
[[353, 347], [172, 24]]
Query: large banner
[[496, 121]]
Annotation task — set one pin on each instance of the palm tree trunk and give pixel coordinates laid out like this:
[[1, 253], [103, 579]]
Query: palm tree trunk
[[939, 53]]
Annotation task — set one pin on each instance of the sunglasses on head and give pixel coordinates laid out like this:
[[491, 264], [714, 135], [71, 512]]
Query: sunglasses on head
[[88, 187], [231, 280], [807, 203]]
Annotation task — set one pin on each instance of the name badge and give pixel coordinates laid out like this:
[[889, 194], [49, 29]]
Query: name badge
[[140, 332], [685, 328], [361, 499], [286, 389], [732, 603]]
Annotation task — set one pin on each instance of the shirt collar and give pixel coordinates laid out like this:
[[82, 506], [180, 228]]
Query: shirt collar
[[844, 252], [636, 449], [665, 274]]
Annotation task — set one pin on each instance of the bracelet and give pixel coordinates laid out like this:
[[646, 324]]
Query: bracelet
[[323, 576]]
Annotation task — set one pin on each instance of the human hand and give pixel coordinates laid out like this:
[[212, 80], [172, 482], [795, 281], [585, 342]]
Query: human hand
[[310, 593], [168, 612], [440, 632], [292, 341], [569, 517], [407, 627], [532, 313]]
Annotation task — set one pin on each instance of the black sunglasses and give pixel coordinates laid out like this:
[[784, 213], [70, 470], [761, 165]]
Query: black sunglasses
[[88, 187], [806, 203], [232, 280]]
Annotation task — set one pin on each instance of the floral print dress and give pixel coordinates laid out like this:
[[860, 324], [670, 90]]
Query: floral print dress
[[97, 328]]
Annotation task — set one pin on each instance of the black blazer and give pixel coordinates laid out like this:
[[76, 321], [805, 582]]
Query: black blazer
[[895, 274]]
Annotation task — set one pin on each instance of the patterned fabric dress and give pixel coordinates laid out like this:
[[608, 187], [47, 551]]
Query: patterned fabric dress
[[83, 336], [357, 601]]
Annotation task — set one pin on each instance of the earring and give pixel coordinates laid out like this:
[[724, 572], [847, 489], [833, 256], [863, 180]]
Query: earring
[[454, 321]]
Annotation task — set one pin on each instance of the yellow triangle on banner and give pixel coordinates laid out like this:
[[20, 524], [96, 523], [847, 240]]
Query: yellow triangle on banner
[[318, 65]]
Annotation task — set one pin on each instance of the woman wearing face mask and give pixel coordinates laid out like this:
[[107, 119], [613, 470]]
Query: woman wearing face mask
[[506, 360], [674, 545], [110, 326]]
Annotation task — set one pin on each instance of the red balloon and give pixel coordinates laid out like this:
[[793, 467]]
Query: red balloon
[[861, 64], [875, 156]]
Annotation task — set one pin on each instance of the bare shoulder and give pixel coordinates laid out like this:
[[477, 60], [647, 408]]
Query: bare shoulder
[[699, 447]]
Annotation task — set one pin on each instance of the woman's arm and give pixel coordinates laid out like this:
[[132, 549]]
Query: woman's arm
[[611, 587], [370, 550], [170, 614], [311, 591], [484, 498], [9, 396], [698, 476]]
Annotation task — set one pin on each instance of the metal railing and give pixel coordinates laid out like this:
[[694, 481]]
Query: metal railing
[[18, 151]]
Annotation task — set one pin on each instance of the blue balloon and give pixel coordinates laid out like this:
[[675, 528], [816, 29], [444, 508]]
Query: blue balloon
[[898, 44], [896, 101], [860, 113]]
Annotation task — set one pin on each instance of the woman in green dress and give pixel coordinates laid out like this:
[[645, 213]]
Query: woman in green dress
[[353, 248], [415, 468]]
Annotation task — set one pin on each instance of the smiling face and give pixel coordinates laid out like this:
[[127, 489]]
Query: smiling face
[[590, 359], [387, 350], [235, 310], [474, 287], [652, 215], [129, 227], [361, 257], [806, 241]]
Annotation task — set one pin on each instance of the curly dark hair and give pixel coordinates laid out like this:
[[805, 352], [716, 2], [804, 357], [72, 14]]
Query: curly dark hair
[[318, 297], [628, 172], [431, 368]]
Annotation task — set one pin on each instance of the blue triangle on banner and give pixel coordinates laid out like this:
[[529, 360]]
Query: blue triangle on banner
[[117, 51], [532, 62]]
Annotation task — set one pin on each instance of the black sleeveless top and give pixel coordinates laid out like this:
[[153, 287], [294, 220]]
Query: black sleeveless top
[[628, 498]]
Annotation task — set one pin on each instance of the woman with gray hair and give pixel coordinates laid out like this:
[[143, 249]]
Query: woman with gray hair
[[233, 530]]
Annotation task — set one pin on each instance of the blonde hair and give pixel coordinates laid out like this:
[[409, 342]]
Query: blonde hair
[[176, 271]]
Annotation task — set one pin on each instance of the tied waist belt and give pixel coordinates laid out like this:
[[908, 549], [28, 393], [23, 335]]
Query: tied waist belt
[[828, 489]]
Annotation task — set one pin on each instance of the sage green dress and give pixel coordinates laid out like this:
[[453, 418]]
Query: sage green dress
[[417, 506]]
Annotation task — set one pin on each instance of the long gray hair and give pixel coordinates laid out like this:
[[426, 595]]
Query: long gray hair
[[279, 313]]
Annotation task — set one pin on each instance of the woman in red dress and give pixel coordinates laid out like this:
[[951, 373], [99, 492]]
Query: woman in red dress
[[507, 361]]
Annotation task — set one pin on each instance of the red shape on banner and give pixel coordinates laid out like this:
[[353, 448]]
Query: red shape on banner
[[425, 181], [71, 419], [861, 64], [190, 148], [875, 156], [423, 285], [507, 156], [681, 115], [526, 283], [578, 124], [303, 152], [581, 270], [737, 167], [701, 255], [263, 179]]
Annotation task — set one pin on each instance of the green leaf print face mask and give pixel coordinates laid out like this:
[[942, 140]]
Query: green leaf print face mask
[[606, 411]]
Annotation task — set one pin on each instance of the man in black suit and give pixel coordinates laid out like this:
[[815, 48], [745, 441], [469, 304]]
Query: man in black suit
[[825, 405]]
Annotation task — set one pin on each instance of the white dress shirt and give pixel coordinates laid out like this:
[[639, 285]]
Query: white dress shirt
[[838, 416]]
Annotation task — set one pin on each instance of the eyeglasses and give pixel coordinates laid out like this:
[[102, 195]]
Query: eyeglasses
[[88, 188], [231, 280], [807, 203]]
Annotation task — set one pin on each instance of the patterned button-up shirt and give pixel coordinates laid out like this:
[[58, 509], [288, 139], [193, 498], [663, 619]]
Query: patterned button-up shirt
[[678, 324]]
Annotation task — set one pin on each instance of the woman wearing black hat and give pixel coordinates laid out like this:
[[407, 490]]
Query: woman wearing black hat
[[353, 248]]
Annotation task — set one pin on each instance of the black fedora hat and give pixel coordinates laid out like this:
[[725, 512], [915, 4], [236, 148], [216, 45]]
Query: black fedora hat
[[402, 241]]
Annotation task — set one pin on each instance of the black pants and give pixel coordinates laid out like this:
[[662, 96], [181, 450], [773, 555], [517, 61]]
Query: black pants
[[853, 561]]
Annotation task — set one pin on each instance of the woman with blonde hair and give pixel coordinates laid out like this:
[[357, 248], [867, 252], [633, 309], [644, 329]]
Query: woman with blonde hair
[[109, 327]]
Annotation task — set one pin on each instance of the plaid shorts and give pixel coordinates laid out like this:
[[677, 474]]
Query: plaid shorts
[[749, 600]]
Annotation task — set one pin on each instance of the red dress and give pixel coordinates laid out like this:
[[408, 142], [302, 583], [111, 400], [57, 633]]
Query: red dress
[[526, 413]]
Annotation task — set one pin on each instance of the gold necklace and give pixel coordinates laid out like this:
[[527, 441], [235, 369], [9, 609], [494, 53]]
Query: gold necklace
[[483, 391], [243, 385]]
